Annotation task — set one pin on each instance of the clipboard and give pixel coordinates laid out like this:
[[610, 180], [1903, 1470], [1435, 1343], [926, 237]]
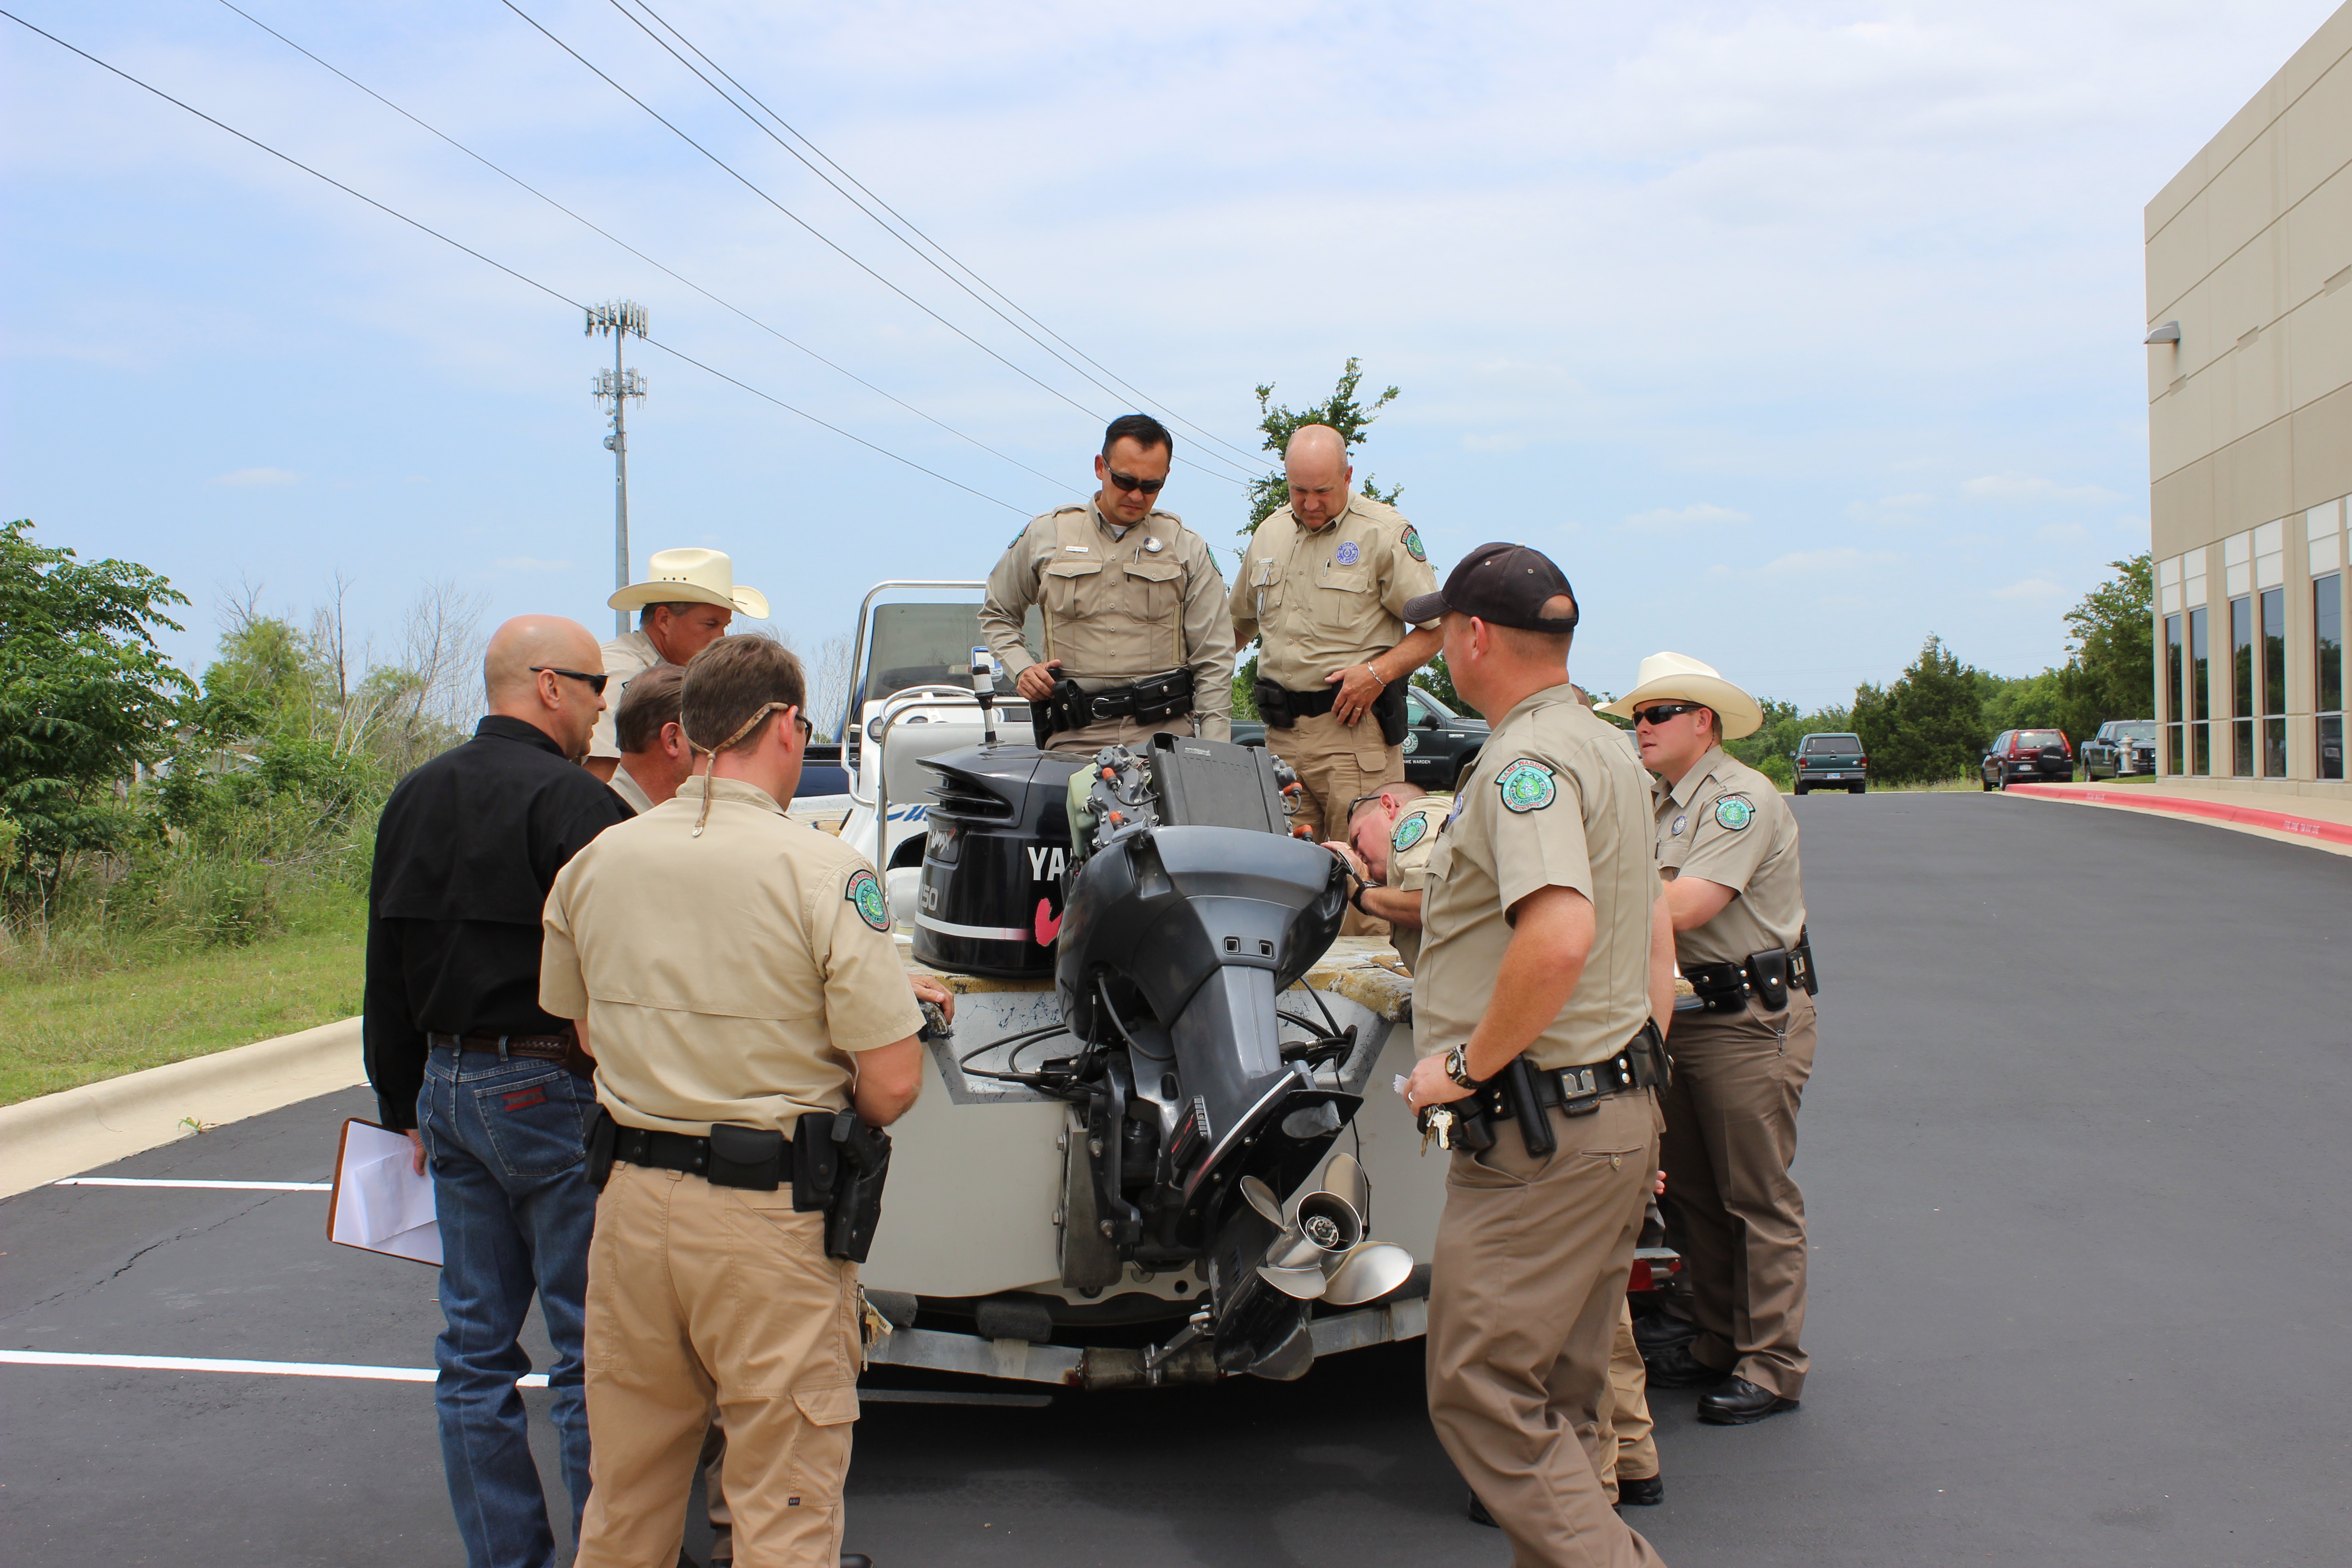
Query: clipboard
[[380, 1204]]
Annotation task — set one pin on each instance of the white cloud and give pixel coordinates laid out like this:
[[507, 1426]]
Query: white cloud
[[2017, 487], [531, 563], [1819, 562], [1891, 511], [2030, 589], [1686, 516], [243, 478], [2062, 533]]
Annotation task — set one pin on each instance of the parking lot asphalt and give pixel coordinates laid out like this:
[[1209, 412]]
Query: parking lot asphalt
[[2074, 1155]]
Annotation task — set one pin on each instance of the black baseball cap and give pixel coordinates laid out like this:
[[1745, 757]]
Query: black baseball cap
[[1502, 584]]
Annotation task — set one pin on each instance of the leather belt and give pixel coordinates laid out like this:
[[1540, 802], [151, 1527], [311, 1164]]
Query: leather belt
[[662, 1151], [538, 1048]]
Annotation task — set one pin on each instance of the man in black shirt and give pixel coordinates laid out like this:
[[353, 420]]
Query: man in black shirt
[[486, 1084]]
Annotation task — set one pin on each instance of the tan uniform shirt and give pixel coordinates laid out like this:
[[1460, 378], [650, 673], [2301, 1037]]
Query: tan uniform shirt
[[1321, 601], [1727, 822], [630, 789], [725, 978], [1555, 802], [626, 657], [1411, 842], [1116, 610]]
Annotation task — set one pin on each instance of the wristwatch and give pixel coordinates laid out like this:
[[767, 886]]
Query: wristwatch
[[1457, 1067], [1356, 897]]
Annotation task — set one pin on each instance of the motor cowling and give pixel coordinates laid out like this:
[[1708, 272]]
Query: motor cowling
[[990, 903]]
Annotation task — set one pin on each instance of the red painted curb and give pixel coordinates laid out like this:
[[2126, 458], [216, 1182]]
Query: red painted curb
[[2173, 805]]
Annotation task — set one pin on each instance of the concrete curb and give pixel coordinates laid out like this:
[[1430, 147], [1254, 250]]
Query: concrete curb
[[93, 1124], [2335, 835]]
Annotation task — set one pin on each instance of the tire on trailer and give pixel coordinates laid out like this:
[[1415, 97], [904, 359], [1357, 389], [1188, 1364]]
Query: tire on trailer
[[1857, 788]]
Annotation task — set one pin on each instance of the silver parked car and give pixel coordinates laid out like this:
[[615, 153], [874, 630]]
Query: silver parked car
[[2123, 748]]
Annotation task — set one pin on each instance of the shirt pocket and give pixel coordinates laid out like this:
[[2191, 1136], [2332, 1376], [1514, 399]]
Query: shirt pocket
[[1066, 587], [1266, 589], [1153, 590], [1346, 601]]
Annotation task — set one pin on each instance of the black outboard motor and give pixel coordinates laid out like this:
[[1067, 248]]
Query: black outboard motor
[[1189, 910], [990, 900]]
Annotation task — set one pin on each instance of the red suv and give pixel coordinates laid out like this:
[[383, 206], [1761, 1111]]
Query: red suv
[[2032, 755]]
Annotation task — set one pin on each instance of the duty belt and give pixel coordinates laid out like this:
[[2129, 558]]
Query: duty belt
[[835, 1163], [1769, 976], [1147, 701], [1524, 1094], [1282, 707]]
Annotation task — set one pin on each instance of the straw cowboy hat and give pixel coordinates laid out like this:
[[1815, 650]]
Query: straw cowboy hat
[[1675, 676], [697, 577]]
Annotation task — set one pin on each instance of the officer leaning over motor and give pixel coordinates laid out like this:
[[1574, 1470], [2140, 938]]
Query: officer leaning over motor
[[1137, 639], [1543, 966], [734, 975], [1323, 588], [1726, 844]]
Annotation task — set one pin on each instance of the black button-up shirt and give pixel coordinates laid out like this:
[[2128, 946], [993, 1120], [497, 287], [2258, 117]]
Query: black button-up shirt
[[465, 854]]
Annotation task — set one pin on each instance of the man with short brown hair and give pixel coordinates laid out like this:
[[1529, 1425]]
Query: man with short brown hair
[[655, 758], [733, 972]]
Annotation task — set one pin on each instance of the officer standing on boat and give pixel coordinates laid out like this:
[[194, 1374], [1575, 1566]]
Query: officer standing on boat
[[1543, 962], [1136, 634], [734, 975], [1726, 844], [1323, 589]]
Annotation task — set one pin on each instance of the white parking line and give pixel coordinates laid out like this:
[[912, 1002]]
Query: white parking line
[[241, 1187], [275, 1368]]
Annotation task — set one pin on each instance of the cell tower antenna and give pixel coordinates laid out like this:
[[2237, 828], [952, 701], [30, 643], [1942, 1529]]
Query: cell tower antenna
[[622, 319]]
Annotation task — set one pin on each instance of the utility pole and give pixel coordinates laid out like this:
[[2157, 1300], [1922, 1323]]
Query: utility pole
[[621, 317]]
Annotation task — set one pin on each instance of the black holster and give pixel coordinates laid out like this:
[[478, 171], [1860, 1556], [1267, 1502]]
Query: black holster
[[1274, 705], [839, 1166], [1802, 972], [602, 1130], [1389, 708]]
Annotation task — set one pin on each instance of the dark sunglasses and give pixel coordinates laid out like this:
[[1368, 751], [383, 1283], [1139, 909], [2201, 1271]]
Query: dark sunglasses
[[1360, 801], [1129, 483], [595, 683], [1659, 712]]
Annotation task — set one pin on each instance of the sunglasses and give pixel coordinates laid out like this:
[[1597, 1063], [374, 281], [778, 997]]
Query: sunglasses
[[1130, 483], [1659, 712], [1360, 800], [595, 683]]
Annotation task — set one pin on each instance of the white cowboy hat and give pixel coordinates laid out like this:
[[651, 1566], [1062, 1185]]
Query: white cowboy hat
[[699, 576], [1674, 675]]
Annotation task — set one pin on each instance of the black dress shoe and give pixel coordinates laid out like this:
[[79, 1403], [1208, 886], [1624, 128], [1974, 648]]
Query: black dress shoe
[[1478, 1514], [1740, 1402], [1675, 1367], [1648, 1491]]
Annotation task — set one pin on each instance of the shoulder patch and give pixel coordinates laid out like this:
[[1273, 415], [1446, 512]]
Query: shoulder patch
[[1413, 544], [864, 890], [1410, 831], [1734, 812], [1527, 785]]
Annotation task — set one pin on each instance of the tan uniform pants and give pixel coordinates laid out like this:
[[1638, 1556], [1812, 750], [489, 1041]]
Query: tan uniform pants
[[1335, 763], [700, 1296], [1629, 1445], [1730, 1206], [1528, 1289]]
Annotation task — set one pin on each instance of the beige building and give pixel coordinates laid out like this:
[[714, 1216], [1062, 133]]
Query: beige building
[[2250, 433]]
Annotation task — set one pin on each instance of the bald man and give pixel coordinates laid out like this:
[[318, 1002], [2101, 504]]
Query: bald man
[[488, 1086], [1323, 590]]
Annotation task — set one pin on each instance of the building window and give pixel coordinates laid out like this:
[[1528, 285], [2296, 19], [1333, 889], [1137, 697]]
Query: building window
[[2327, 625], [2241, 687], [2200, 692], [2273, 682], [2176, 760]]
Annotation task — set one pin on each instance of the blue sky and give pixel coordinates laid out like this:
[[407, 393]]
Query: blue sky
[[1795, 332]]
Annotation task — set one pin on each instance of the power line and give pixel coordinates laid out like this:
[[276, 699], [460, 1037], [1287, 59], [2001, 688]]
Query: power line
[[1122, 384], [633, 250], [818, 234], [520, 277]]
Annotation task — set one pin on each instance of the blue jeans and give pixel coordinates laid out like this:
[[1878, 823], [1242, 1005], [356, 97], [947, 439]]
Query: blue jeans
[[505, 1137]]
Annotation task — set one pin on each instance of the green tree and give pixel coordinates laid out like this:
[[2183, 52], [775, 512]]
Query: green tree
[[2111, 668], [1435, 677], [1926, 727], [1342, 412], [86, 696]]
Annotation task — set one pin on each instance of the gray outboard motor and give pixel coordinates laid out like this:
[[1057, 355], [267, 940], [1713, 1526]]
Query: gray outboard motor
[[1187, 910]]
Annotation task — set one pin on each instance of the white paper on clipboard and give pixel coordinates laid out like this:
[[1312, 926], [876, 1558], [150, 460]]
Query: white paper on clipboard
[[381, 1204]]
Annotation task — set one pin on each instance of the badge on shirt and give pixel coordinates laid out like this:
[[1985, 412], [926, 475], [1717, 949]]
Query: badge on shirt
[[864, 890], [1412, 544], [1349, 553], [1734, 812], [1676, 830], [1459, 802], [1410, 832], [1527, 785]]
